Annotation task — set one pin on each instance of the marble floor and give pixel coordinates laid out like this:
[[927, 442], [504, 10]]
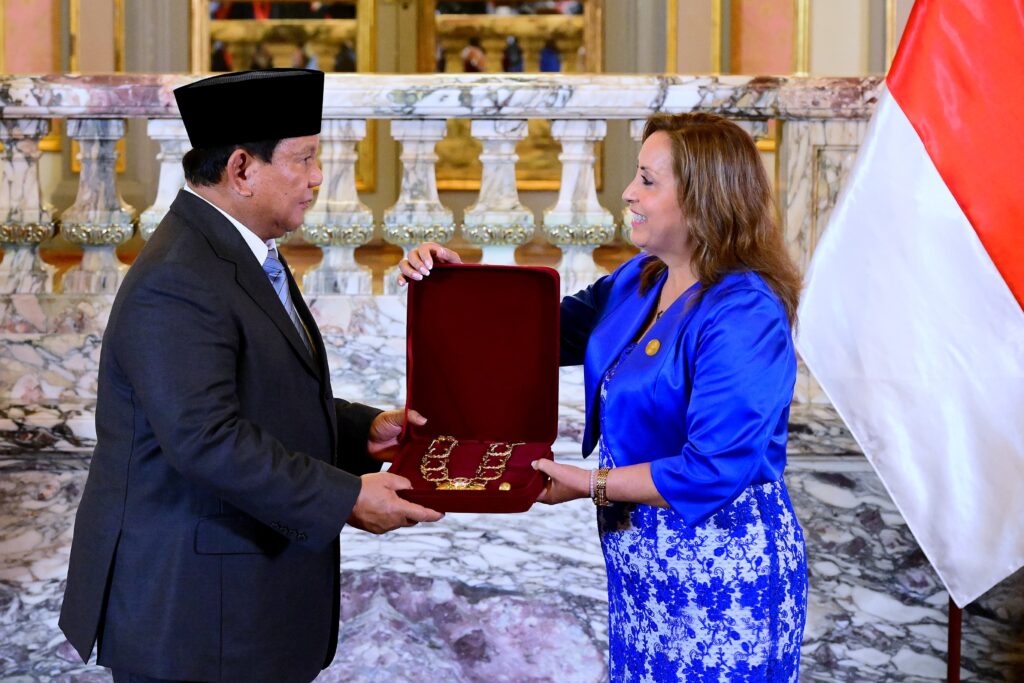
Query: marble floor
[[459, 600]]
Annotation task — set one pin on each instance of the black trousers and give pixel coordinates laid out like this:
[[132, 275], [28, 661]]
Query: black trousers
[[128, 677]]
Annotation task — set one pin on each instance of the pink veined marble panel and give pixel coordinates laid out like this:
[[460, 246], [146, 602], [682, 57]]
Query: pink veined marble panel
[[761, 40]]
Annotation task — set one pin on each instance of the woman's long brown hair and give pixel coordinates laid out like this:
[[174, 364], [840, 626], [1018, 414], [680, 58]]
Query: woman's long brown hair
[[727, 206]]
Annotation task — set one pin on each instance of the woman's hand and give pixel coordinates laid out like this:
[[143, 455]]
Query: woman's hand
[[566, 482], [385, 430], [421, 259]]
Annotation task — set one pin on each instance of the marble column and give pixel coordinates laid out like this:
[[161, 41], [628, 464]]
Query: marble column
[[578, 223], [338, 221], [27, 222], [815, 158], [498, 221], [99, 220], [173, 139], [418, 215]]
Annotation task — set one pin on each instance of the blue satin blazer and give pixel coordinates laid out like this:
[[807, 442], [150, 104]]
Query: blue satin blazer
[[710, 408]]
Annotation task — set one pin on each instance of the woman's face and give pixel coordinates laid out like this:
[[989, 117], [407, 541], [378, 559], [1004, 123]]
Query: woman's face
[[652, 196]]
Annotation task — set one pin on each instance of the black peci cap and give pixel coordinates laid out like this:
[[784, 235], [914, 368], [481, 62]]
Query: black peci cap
[[250, 106]]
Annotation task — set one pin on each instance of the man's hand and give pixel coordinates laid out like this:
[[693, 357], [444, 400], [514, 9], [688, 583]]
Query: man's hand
[[378, 508], [421, 259], [385, 430], [566, 482]]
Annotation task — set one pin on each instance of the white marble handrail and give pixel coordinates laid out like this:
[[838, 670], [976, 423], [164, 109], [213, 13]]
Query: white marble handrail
[[492, 96]]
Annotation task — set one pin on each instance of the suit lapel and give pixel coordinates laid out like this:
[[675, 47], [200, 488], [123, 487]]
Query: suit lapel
[[252, 278], [229, 246], [321, 354], [306, 315]]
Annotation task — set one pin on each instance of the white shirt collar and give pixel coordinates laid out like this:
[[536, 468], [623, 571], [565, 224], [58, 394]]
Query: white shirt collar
[[259, 248]]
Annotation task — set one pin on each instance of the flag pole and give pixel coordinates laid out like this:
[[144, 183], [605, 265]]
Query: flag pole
[[953, 643]]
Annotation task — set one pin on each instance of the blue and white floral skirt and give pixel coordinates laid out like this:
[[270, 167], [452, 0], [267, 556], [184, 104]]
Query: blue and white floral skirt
[[725, 600]]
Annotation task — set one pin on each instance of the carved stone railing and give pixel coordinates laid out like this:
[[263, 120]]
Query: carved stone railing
[[819, 124]]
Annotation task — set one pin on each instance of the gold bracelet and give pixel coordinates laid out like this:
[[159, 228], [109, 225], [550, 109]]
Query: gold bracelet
[[601, 487]]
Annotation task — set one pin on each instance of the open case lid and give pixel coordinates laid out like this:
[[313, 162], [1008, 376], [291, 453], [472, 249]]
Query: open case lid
[[482, 353]]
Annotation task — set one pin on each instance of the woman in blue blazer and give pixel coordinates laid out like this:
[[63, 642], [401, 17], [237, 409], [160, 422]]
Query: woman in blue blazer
[[689, 369]]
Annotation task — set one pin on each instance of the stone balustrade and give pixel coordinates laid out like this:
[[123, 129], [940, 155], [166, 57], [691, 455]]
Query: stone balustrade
[[821, 122]]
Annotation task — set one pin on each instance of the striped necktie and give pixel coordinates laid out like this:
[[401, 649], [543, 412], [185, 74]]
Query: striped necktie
[[275, 271]]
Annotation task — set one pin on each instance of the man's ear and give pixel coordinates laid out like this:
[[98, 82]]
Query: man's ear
[[240, 171]]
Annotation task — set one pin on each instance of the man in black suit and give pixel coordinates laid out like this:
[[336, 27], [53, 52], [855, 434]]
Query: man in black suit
[[206, 542]]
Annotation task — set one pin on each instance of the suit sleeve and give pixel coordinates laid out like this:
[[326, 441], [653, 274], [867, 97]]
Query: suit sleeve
[[744, 373], [180, 358], [354, 420]]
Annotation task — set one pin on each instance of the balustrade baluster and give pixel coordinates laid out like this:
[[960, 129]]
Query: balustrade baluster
[[498, 221], [27, 222], [99, 220], [338, 221], [578, 223], [418, 215], [173, 139]]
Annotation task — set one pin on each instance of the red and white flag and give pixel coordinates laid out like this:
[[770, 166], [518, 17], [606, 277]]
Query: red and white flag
[[912, 317]]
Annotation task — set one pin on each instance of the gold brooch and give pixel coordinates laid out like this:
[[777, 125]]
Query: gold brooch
[[652, 347]]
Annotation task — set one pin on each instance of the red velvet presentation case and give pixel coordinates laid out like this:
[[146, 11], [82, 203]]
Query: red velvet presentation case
[[482, 367]]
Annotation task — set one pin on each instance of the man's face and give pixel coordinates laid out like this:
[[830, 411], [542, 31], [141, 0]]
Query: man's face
[[283, 188]]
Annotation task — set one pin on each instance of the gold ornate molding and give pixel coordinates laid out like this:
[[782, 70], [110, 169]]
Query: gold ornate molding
[[593, 32], [73, 22], [672, 37], [199, 36], [802, 38], [119, 49]]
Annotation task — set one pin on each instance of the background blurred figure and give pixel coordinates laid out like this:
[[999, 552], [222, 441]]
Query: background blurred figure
[[261, 58], [220, 60], [305, 58], [512, 57], [550, 60], [473, 58], [345, 60]]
